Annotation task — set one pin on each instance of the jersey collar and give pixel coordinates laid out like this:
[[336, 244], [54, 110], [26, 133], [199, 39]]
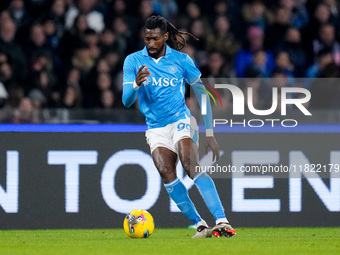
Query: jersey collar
[[168, 51]]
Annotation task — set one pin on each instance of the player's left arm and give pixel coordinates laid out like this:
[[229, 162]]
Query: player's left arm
[[192, 75], [210, 141]]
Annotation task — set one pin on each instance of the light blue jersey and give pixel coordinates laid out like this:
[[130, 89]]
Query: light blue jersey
[[161, 97]]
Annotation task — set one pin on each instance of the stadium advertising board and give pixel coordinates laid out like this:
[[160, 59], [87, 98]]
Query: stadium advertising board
[[92, 179]]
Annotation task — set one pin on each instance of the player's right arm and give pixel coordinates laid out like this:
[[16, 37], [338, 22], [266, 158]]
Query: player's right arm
[[132, 81]]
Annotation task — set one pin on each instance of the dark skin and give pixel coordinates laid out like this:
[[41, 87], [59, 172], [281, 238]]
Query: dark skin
[[165, 159]]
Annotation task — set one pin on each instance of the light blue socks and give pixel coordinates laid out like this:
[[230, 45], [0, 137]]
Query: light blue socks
[[209, 193], [179, 194], [206, 186]]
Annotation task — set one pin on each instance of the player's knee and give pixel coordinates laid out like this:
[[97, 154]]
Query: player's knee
[[167, 174], [189, 166], [186, 163]]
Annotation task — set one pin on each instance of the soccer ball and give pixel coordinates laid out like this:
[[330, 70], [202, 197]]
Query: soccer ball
[[138, 224]]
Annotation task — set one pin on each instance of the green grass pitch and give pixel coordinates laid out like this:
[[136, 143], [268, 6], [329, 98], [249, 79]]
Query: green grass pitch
[[171, 241]]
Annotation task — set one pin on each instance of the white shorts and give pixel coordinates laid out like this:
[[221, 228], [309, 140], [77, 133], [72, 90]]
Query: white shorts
[[169, 135]]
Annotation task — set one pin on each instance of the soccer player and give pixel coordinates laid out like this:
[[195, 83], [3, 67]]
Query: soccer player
[[156, 74]]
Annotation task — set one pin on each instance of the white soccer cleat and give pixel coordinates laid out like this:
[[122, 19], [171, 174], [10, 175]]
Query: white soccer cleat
[[202, 232], [223, 229]]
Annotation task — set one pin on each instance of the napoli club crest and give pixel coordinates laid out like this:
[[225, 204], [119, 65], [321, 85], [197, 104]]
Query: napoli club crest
[[173, 69]]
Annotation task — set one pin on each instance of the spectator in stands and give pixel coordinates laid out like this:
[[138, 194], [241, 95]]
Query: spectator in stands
[[3, 95], [12, 49], [145, 10], [5, 15], [6, 73], [292, 45], [321, 15], [215, 72], [254, 43], [103, 83], [103, 66], [221, 8], [94, 18], [37, 43], [167, 8], [200, 30], [73, 37], [230, 9], [278, 29], [255, 13], [280, 79], [15, 94], [327, 40], [324, 57], [72, 98], [260, 64], [73, 79], [298, 12], [193, 10], [82, 59], [114, 61], [41, 76], [25, 112], [21, 17], [91, 39], [215, 67], [107, 99], [38, 99], [57, 13], [51, 34], [89, 87], [118, 8], [222, 40], [108, 41], [334, 7], [53, 41], [282, 61], [123, 34]]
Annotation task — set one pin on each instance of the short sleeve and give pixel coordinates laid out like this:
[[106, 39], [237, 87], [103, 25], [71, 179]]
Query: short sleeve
[[129, 72], [191, 72]]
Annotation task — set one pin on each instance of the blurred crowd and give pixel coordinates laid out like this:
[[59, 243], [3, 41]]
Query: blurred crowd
[[69, 53]]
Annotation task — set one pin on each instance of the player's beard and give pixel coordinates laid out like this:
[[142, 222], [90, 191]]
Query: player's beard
[[157, 52]]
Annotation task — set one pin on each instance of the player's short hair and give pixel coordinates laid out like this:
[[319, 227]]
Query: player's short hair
[[176, 39]]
